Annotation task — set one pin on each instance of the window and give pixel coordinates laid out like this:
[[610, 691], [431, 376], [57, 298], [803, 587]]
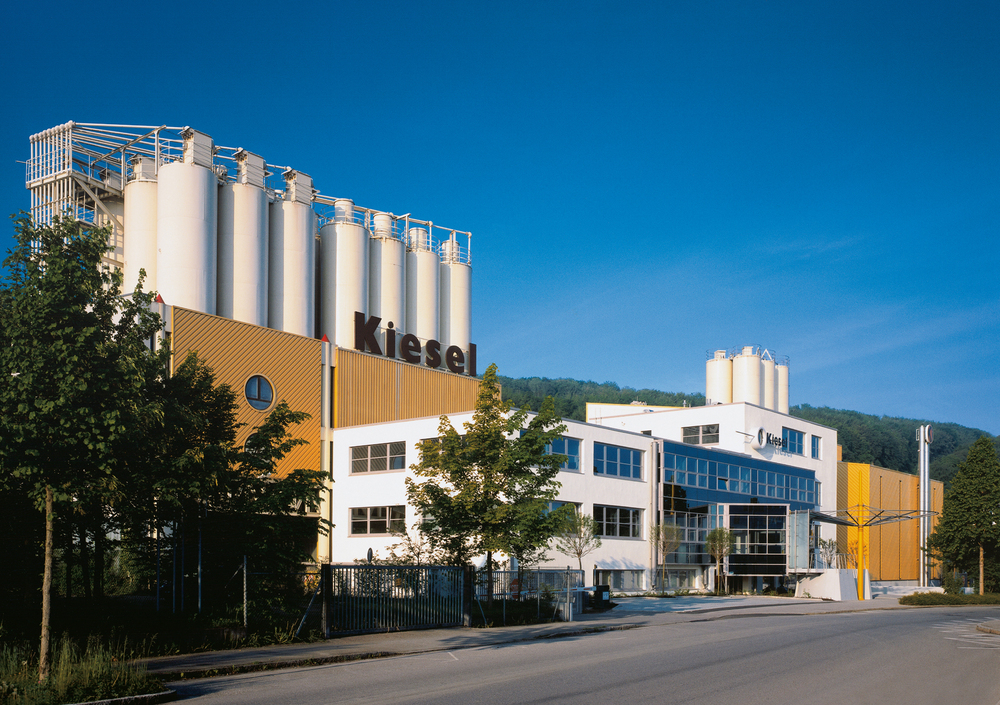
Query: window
[[259, 393], [701, 435], [816, 447], [793, 440], [570, 447], [378, 457], [621, 580], [618, 521], [377, 520], [614, 460]]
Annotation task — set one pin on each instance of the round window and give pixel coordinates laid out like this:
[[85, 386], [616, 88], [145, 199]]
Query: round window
[[259, 392]]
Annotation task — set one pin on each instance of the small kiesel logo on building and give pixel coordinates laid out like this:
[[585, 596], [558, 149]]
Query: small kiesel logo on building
[[763, 438]]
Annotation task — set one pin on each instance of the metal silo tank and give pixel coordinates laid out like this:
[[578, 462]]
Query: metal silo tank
[[186, 227], [456, 279], [746, 376], [719, 378], [386, 273], [422, 286], [291, 258], [344, 247], [140, 224], [768, 381], [243, 246], [782, 380]]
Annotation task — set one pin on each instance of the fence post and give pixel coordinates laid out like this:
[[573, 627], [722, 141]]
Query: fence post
[[245, 591], [468, 588], [326, 580]]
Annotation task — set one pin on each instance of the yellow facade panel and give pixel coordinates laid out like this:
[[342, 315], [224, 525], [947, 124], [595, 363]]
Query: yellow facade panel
[[236, 351], [373, 389]]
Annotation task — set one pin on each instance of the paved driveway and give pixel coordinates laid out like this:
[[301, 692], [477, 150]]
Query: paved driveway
[[694, 603]]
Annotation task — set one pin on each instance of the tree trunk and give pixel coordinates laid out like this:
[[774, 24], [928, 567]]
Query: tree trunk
[[44, 647], [85, 564], [99, 557], [982, 588], [489, 578]]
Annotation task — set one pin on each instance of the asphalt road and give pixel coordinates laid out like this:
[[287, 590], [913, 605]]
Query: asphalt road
[[931, 656]]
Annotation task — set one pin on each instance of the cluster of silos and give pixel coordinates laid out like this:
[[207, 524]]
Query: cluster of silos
[[749, 374], [224, 248], [230, 248]]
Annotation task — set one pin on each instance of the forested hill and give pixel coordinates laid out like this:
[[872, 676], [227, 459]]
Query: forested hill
[[881, 440], [571, 395]]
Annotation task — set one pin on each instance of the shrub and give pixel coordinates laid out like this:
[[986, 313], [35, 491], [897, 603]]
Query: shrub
[[937, 598]]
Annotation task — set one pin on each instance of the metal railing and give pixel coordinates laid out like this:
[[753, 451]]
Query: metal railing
[[364, 598]]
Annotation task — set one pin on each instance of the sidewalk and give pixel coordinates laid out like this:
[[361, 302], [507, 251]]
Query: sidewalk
[[631, 612]]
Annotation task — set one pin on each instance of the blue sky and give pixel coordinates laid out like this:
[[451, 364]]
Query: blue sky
[[644, 181]]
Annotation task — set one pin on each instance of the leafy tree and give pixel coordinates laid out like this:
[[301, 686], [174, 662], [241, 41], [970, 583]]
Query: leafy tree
[[968, 533], [72, 356], [719, 544], [665, 537], [577, 535], [488, 490]]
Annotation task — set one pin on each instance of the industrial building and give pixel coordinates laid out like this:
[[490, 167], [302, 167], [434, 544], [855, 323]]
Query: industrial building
[[361, 318]]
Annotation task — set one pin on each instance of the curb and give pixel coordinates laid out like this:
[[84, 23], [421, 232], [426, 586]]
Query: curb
[[165, 696], [989, 627]]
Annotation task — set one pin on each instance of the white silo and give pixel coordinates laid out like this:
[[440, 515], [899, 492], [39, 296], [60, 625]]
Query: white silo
[[291, 265], [456, 276], [344, 247], [386, 274], [186, 226], [719, 378], [768, 381], [746, 376], [140, 224], [781, 367], [243, 250], [422, 286]]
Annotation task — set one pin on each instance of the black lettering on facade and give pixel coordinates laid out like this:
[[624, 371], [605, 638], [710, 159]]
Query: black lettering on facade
[[364, 333], [409, 348], [433, 349], [455, 359]]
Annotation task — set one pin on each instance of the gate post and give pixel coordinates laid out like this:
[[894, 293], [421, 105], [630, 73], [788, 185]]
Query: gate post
[[326, 590]]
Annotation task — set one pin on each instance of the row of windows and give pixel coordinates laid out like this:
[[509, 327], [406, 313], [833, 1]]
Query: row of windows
[[618, 461], [712, 475], [701, 435]]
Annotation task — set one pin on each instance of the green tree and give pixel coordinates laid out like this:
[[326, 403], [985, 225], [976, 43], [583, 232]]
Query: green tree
[[719, 544], [968, 534], [72, 353], [487, 490], [665, 537], [577, 535]]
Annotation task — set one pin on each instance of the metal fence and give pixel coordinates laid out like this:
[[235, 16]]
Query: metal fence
[[513, 584], [365, 598]]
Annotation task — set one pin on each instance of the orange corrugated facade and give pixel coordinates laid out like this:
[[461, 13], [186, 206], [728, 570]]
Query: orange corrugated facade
[[236, 351], [892, 549], [373, 389]]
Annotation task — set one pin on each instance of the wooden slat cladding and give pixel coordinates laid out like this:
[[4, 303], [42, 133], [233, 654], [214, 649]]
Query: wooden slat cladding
[[236, 351], [373, 389]]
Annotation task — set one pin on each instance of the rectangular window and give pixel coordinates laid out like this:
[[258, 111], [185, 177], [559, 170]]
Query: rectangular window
[[618, 461], [378, 520], [701, 435], [378, 457], [793, 440], [618, 521], [816, 447], [570, 447]]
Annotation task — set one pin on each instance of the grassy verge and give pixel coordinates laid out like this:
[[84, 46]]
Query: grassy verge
[[78, 675], [938, 598]]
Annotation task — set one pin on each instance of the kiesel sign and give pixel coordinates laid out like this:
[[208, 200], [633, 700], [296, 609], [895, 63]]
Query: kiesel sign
[[366, 340], [768, 439]]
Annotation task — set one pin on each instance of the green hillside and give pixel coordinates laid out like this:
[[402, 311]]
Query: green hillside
[[881, 440]]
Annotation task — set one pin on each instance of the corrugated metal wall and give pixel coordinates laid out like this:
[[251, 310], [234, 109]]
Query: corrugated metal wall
[[236, 351], [373, 389], [893, 549]]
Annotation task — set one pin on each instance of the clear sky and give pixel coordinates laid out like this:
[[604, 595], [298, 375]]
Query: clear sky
[[644, 181]]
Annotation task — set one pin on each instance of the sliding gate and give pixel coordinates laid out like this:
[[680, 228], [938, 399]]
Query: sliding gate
[[366, 598]]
